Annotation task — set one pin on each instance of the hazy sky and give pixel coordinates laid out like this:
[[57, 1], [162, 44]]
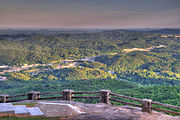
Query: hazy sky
[[90, 13]]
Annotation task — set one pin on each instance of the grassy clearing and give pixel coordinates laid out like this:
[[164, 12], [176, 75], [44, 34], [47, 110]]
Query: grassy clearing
[[27, 104]]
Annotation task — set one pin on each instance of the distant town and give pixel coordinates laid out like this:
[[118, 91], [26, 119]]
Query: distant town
[[29, 68], [174, 36], [54, 65], [144, 49]]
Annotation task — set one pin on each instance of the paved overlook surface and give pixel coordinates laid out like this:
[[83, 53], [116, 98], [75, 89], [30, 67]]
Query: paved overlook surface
[[19, 109], [100, 111], [103, 111]]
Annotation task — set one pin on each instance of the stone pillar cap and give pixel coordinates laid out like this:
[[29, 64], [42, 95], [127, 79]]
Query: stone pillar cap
[[149, 100], [103, 90], [68, 90], [34, 92]]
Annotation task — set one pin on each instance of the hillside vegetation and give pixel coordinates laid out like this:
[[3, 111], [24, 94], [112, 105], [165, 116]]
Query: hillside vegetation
[[37, 48], [164, 94], [153, 74]]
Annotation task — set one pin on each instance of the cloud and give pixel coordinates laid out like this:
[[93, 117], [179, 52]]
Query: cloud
[[89, 13]]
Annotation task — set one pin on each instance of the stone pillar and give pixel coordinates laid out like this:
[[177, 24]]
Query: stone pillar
[[67, 95], [104, 96], [147, 106], [3, 98], [33, 95]]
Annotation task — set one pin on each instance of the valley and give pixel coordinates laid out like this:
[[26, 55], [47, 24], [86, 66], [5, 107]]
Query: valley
[[90, 59], [128, 63]]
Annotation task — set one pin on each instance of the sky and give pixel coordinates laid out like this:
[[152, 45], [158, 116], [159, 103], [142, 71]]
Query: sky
[[90, 13]]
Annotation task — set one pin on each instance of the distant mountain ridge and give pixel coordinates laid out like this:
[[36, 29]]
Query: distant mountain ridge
[[159, 31], [80, 45], [159, 66]]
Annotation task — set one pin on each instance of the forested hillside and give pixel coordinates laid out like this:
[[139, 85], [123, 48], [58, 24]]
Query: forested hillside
[[137, 64], [164, 94], [37, 48]]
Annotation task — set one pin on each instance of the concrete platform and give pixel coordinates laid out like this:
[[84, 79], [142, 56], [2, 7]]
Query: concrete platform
[[21, 109], [58, 109], [35, 111], [6, 108]]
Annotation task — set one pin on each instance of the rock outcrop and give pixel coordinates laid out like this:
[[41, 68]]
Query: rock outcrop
[[58, 109], [102, 111], [83, 111]]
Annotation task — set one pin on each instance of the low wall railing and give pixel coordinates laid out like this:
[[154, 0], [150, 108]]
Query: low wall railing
[[104, 96]]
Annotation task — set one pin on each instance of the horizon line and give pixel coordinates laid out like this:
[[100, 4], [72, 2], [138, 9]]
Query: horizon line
[[46, 28]]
